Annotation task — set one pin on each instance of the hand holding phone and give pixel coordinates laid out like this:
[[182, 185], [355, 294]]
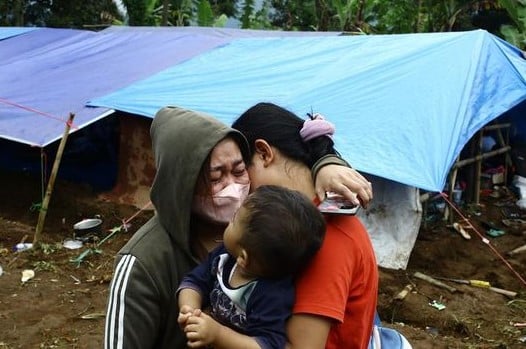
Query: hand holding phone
[[337, 204]]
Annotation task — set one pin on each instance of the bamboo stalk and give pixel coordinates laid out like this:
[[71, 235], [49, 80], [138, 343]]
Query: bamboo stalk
[[479, 157], [402, 294], [517, 250], [434, 281], [51, 183], [478, 169]]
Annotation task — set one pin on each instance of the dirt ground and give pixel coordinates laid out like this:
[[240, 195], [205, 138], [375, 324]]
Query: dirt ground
[[63, 305]]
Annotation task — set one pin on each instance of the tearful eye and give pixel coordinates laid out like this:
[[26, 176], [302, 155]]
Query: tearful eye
[[215, 180]]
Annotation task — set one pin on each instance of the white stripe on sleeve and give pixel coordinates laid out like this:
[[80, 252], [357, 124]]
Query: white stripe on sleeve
[[116, 304]]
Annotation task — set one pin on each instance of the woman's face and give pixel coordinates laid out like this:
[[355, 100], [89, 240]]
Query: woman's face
[[226, 166]]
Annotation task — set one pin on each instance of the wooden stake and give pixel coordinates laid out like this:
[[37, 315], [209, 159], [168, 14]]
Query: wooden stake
[[434, 281], [478, 173], [402, 294], [51, 183], [517, 250]]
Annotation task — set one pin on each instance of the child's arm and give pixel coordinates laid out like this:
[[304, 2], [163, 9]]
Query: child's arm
[[202, 330], [189, 300], [268, 308], [194, 285]]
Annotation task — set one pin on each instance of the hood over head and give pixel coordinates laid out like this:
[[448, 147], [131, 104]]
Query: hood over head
[[181, 141]]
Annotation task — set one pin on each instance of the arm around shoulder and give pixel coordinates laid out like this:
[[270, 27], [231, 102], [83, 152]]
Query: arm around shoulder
[[333, 174]]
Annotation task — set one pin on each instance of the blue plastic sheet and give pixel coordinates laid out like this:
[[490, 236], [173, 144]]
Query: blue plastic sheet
[[403, 105]]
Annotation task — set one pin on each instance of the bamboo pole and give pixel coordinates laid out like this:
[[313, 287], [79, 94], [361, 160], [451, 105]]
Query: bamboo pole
[[433, 281], [478, 174], [51, 183], [479, 157]]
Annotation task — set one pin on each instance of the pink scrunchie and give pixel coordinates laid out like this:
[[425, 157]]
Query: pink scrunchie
[[316, 127]]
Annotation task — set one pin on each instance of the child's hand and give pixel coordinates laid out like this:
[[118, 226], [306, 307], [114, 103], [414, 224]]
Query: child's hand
[[201, 329], [184, 313]]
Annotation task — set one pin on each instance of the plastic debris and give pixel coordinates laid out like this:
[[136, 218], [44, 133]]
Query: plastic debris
[[27, 275], [460, 229], [72, 244], [495, 233], [432, 330], [1, 270], [93, 316], [22, 246], [437, 305]]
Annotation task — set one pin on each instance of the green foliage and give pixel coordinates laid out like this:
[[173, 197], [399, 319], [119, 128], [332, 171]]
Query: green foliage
[[344, 12], [50, 248], [515, 33], [226, 8], [255, 18], [356, 16], [58, 13], [205, 16], [140, 12], [44, 266], [297, 15], [78, 13], [398, 17], [246, 13]]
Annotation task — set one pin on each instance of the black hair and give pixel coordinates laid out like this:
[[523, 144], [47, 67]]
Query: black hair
[[281, 129], [283, 230]]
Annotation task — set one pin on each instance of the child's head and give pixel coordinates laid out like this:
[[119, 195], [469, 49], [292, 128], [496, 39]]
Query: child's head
[[275, 232]]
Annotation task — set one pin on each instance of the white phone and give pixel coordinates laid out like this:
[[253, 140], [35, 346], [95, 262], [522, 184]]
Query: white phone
[[337, 204]]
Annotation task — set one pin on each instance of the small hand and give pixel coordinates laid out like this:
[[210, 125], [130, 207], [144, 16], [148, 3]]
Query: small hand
[[346, 182], [201, 329], [184, 313]]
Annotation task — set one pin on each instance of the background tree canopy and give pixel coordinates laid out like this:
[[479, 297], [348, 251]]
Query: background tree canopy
[[506, 18]]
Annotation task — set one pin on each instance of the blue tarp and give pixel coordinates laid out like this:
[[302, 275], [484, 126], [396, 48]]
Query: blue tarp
[[47, 73], [59, 70], [403, 105], [7, 32]]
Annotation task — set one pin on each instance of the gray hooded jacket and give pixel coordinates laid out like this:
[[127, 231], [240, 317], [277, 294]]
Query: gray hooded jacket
[[142, 307]]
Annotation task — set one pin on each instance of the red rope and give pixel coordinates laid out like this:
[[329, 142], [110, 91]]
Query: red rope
[[483, 238], [37, 112], [125, 221]]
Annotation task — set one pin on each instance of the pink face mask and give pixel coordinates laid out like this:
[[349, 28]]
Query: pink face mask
[[224, 203]]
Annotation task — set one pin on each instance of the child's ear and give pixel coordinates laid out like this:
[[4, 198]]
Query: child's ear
[[242, 259], [264, 151]]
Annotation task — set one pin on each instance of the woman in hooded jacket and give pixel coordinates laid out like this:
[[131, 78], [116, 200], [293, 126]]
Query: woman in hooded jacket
[[195, 156]]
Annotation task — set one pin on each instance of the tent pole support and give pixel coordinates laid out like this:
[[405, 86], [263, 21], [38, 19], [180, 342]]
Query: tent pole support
[[51, 183]]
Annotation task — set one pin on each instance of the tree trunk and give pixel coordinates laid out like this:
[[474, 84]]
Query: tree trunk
[[19, 13], [164, 20]]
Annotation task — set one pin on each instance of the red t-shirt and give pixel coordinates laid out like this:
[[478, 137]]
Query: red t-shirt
[[341, 283]]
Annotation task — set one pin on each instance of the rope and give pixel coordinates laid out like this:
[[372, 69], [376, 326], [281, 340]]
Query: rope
[[124, 224], [484, 239], [5, 101], [125, 221]]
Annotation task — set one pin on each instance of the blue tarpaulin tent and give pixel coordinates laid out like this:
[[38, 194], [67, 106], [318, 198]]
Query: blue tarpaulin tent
[[47, 73], [7, 32], [56, 71], [403, 105]]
